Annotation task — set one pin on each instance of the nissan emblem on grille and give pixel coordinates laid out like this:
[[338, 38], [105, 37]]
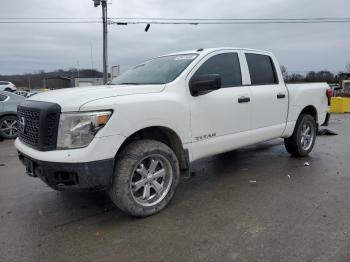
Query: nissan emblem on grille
[[22, 123]]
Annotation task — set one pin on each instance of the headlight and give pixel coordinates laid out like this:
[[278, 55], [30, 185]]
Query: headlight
[[77, 130]]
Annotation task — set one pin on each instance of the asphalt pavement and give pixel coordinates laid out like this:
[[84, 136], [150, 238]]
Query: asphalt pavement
[[252, 204]]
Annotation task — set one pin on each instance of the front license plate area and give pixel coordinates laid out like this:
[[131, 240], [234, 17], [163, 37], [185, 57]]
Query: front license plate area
[[29, 167]]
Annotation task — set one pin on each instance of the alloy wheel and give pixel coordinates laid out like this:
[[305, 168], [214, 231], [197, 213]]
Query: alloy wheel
[[151, 180], [307, 136], [8, 127]]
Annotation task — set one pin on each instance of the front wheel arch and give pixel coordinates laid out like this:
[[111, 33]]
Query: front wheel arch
[[164, 135]]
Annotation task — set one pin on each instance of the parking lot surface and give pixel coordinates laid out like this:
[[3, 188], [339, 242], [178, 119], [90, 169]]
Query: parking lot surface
[[253, 204]]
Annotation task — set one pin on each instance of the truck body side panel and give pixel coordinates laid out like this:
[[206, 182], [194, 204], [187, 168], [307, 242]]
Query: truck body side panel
[[302, 96]]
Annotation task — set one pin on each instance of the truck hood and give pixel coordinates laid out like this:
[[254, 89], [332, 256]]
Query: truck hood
[[71, 99]]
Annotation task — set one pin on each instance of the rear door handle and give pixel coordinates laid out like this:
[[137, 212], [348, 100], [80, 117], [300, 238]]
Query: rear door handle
[[281, 96], [243, 99]]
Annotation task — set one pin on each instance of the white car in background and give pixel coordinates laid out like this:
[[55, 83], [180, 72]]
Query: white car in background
[[24, 93], [7, 86]]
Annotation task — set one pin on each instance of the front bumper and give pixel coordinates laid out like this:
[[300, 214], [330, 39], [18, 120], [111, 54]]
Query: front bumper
[[88, 176], [100, 148]]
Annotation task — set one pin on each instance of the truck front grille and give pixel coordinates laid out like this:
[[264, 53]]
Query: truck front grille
[[38, 124], [28, 125]]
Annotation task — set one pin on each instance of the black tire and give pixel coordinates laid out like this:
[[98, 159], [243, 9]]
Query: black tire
[[294, 144], [129, 163], [8, 90], [4, 125]]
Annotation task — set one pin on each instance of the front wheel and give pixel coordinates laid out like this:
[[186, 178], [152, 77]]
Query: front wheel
[[145, 179], [303, 139]]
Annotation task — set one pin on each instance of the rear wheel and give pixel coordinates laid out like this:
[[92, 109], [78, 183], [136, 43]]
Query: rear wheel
[[303, 139], [8, 127], [145, 179]]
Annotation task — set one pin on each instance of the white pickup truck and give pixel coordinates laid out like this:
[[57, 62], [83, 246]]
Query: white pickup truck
[[136, 135]]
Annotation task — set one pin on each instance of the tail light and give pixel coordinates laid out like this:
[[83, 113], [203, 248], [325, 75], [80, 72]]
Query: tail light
[[329, 93]]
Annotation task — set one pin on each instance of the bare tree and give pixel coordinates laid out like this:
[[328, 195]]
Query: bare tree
[[284, 72], [296, 78], [348, 67]]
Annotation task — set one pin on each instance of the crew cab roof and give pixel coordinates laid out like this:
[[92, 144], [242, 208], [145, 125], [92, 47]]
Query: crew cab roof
[[205, 51]]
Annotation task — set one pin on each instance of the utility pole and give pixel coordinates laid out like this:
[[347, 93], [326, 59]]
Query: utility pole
[[105, 44], [78, 71], [103, 3], [91, 57]]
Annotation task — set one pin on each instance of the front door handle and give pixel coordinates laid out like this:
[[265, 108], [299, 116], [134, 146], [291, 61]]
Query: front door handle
[[281, 96], [243, 99]]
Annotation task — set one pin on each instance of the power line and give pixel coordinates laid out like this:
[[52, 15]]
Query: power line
[[50, 22], [177, 19], [229, 19], [47, 18], [172, 21], [178, 23], [228, 23]]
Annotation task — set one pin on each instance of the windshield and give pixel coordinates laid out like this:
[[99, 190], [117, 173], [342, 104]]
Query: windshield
[[160, 70]]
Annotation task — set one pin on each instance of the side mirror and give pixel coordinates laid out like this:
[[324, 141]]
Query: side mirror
[[204, 84]]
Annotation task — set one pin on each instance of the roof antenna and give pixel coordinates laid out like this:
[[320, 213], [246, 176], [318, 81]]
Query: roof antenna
[[147, 27]]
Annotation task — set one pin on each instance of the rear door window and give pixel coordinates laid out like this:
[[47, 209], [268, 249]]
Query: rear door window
[[261, 69], [226, 65]]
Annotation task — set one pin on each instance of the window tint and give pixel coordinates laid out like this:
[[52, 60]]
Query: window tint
[[226, 65], [261, 69], [2, 97], [4, 83]]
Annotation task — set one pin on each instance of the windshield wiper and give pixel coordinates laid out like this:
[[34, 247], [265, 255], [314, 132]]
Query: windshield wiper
[[129, 84]]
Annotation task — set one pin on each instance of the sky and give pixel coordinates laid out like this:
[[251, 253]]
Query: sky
[[27, 48]]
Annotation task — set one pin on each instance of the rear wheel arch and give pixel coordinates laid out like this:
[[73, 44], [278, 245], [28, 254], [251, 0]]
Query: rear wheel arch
[[310, 110]]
